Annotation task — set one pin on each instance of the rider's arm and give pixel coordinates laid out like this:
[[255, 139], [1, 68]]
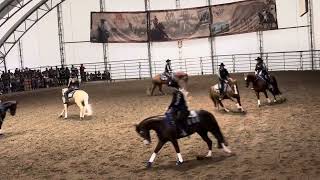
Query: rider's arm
[[69, 83], [175, 99]]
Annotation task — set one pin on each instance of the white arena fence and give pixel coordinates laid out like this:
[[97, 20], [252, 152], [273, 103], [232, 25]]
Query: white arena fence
[[235, 63]]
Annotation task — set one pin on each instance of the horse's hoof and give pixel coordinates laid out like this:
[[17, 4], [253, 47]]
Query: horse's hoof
[[65, 118], [178, 163], [60, 116], [149, 165]]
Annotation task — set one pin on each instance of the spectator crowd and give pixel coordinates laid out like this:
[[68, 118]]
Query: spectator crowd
[[31, 79]]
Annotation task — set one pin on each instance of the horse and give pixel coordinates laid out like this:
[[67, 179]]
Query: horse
[[80, 98], [200, 122], [157, 81], [260, 85], [232, 93], [4, 107]]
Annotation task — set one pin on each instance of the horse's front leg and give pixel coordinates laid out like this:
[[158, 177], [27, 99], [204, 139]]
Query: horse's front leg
[[266, 94], [61, 115], [225, 109], [154, 154], [65, 111], [205, 137], [239, 106], [176, 147], [258, 96], [1, 121]]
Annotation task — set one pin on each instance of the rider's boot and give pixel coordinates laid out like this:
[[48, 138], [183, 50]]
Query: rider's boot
[[66, 99]]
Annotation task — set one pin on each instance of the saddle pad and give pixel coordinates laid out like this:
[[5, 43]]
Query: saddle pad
[[193, 118], [163, 77], [70, 95]]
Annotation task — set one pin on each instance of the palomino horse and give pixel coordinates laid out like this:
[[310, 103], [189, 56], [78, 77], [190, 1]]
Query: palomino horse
[[80, 98], [4, 107], [232, 92], [260, 85], [200, 122], [158, 82]]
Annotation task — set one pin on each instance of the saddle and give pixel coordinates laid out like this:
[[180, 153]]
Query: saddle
[[70, 95], [163, 77], [193, 118]]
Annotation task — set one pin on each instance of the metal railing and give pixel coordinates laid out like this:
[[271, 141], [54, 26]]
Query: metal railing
[[235, 63]]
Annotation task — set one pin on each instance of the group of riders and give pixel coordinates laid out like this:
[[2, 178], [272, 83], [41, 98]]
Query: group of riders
[[178, 110]]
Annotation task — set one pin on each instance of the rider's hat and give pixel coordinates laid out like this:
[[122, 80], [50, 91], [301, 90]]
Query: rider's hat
[[168, 60], [222, 65], [259, 59]]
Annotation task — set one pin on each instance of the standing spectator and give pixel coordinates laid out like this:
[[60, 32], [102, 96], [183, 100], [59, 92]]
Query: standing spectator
[[82, 73]]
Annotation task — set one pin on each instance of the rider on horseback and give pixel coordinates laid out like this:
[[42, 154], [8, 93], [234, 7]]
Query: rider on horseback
[[223, 78], [168, 70], [262, 71], [73, 85], [178, 109]]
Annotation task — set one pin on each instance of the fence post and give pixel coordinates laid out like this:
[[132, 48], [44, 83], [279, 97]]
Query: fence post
[[250, 61], [233, 63], [139, 70], [185, 65], [284, 60], [125, 71], [301, 61], [267, 60], [201, 66]]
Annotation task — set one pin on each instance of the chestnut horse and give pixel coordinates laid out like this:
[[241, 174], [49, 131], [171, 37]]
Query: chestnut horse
[[158, 82]]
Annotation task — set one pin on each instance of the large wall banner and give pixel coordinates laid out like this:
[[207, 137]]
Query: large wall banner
[[119, 27], [179, 24], [243, 17]]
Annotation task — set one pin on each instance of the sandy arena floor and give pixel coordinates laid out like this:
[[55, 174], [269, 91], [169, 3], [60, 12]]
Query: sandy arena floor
[[281, 141]]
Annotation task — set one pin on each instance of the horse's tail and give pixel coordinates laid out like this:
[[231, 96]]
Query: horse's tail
[[211, 94], [275, 86], [87, 106], [214, 128]]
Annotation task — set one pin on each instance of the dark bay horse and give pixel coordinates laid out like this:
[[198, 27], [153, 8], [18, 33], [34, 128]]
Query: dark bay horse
[[204, 123], [158, 82], [232, 93], [260, 85], [4, 107]]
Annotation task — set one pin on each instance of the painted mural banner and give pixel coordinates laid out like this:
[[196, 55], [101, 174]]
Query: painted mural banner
[[119, 27], [244, 17], [183, 24], [171, 25]]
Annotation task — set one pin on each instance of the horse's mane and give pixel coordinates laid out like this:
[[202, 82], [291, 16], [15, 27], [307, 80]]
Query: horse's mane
[[151, 119]]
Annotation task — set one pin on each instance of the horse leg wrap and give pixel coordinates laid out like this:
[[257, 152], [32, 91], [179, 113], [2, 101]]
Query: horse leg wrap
[[179, 157], [152, 158]]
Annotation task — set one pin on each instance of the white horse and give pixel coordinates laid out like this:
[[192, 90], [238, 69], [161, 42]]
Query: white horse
[[81, 98]]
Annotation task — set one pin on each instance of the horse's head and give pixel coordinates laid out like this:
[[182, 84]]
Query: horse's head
[[248, 78], [144, 133], [12, 105]]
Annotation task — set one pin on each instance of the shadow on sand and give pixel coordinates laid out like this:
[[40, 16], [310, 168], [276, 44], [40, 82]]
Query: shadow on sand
[[187, 165]]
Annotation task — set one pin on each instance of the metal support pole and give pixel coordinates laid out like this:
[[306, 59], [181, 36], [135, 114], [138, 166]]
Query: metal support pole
[[311, 31], [104, 45], [260, 42], [20, 54], [147, 8], [61, 35], [3, 60], [211, 38]]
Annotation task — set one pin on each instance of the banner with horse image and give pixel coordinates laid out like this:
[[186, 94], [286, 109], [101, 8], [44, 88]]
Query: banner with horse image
[[170, 25], [244, 17], [120, 27]]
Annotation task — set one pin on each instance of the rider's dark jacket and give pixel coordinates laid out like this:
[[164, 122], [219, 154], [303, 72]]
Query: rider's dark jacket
[[223, 77], [74, 85], [168, 68], [261, 69], [178, 109]]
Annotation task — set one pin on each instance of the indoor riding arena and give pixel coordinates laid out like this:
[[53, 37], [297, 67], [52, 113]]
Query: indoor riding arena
[[83, 83]]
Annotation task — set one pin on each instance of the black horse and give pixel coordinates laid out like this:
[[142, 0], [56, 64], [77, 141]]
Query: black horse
[[4, 107], [202, 122], [260, 85]]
